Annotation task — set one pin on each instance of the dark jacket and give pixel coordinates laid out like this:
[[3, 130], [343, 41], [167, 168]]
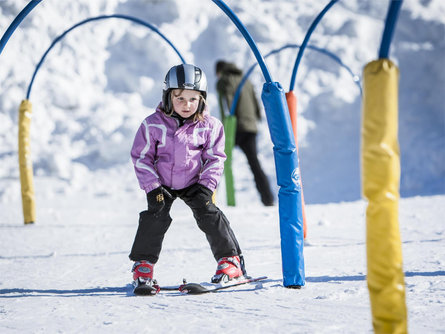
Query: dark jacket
[[247, 111]]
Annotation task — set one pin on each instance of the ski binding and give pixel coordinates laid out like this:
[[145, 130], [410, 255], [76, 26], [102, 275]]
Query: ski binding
[[145, 287]]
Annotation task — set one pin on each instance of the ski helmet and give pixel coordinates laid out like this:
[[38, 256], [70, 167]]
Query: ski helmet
[[184, 76]]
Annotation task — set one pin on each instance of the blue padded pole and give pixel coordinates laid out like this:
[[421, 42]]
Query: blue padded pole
[[306, 40], [19, 18], [391, 19], [286, 165], [102, 17]]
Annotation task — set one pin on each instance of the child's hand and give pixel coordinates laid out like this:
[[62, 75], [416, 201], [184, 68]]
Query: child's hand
[[199, 195], [197, 189], [156, 200]]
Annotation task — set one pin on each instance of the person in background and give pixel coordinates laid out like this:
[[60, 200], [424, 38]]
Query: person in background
[[247, 114]]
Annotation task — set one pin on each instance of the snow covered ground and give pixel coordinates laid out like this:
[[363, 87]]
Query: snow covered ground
[[70, 271]]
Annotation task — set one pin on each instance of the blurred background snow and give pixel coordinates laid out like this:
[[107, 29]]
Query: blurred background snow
[[103, 78]]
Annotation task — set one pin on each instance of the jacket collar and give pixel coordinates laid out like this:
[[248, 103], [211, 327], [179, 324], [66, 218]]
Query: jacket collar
[[160, 110]]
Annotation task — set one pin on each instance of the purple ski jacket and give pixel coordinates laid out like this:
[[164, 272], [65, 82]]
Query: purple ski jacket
[[165, 154]]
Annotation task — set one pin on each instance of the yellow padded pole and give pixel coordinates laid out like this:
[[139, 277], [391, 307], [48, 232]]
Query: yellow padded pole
[[380, 182], [25, 163]]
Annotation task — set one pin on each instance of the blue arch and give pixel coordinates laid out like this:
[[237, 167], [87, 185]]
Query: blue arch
[[19, 18], [102, 17], [237, 95], [247, 37], [390, 23], [306, 40]]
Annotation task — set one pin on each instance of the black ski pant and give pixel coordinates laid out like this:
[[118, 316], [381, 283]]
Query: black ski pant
[[247, 142], [211, 220]]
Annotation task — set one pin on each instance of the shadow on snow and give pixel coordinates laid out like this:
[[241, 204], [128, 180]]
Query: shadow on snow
[[127, 290], [324, 279]]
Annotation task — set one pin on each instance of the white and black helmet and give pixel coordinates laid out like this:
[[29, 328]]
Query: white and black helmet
[[184, 76]]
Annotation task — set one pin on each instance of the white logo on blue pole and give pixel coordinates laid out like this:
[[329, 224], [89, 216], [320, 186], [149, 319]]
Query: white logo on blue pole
[[296, 178]]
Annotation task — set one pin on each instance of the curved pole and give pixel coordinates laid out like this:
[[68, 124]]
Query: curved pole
[[102, 17], [306, 40], [390, 24], [247, 36], [19, 18], [237, 95]]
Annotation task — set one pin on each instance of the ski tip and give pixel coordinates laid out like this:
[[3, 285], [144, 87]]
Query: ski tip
[[193, 289]]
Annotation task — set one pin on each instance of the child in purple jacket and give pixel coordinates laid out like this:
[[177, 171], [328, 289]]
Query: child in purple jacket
[[178, 151]]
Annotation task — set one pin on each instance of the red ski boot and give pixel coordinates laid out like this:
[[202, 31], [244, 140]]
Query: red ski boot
[[143, 279], [142, 270], [228, 269]]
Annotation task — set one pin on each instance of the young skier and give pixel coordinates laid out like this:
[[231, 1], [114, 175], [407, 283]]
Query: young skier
[[178, 151]]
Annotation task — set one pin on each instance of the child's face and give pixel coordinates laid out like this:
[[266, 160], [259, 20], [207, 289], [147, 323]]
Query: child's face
[[185, 103]]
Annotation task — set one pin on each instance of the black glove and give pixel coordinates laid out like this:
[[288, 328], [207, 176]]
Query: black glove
[[199, 194], [156, 199]]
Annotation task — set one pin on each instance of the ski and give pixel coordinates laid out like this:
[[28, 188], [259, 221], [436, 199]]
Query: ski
[[198, 289], [151, 288]]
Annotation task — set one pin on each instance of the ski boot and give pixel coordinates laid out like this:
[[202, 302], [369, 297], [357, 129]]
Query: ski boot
[[229, 268], [143, 279]]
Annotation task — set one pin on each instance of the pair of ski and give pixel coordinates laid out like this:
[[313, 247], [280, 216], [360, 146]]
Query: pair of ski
[[144, 289]]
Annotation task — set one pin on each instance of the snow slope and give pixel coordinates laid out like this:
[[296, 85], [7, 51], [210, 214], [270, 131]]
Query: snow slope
[[70, 271]]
